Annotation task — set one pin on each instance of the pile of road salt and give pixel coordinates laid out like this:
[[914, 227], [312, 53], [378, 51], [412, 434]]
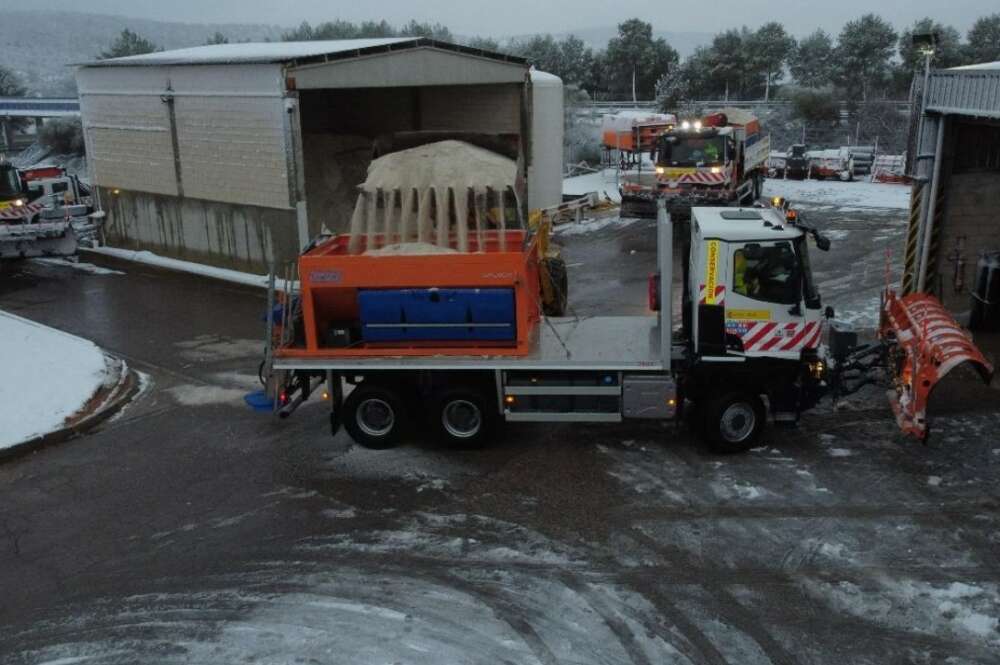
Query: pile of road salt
[[413, 195]]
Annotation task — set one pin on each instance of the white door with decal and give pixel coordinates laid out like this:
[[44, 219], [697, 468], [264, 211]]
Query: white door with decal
[[764, 305]]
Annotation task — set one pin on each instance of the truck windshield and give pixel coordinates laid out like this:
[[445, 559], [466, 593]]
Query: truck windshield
[[10, 184], [692, 151]]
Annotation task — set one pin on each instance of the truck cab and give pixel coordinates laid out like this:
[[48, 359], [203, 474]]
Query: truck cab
[[751, 312], [12, 193], [719, 159]]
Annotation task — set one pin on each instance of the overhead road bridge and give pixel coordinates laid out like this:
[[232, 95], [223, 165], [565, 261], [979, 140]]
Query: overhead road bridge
[[35, 109]]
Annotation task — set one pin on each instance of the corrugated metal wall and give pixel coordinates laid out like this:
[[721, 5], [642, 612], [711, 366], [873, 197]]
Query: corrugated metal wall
[[965, 91], [228, 125]]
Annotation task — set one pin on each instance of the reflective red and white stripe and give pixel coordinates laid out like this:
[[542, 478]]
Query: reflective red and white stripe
[[720, 294], [703, 178], [20, 212], [782, 337]]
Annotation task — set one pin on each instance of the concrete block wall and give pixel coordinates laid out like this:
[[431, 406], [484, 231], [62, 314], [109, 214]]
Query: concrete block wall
[[971, 224], [241, 237]]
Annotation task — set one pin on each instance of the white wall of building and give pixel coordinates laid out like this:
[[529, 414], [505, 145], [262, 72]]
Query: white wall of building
[[231, 131]]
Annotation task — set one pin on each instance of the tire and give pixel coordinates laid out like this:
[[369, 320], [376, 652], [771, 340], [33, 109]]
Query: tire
[[733, 423], [375, 416], [464, 417], [556, 269]]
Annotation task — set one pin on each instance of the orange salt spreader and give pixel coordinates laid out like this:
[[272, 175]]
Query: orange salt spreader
[[484, 301]]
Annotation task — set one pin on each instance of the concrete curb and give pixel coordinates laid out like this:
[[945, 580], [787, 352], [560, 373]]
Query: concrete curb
[[110, 403]]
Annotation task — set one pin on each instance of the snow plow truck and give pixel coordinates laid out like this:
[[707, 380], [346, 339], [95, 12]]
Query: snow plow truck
[[43, 212], [453, 342], [717, 160]]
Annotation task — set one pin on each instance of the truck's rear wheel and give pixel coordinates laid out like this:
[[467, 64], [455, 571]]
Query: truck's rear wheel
[[733, 423], [464, 417], [375, 416]]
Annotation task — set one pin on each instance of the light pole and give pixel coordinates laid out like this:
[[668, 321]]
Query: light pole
[[925, 43]]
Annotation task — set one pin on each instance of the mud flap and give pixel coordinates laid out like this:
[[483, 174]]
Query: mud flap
[[926, 344]]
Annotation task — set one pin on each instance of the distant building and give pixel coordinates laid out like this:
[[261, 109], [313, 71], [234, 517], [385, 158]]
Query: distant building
[[955, 205], [237, 154]]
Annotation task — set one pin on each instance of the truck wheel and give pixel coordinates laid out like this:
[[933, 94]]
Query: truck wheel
[[464, 417], [560, 286], [375, 416], [733, 423]]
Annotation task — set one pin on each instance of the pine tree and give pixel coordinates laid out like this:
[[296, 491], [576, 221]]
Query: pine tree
[[128, 43], [864, 49], [984, 40], [769, 48], [812, 63], [635, 60]]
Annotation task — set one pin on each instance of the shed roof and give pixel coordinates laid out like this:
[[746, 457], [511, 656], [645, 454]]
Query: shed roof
[[288, 52], [971, 91], [981, 65]]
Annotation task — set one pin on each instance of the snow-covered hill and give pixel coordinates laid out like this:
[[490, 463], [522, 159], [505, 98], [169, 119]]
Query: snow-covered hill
[[40, 44]]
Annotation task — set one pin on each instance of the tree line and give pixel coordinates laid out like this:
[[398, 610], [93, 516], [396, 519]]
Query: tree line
[[867, 60]]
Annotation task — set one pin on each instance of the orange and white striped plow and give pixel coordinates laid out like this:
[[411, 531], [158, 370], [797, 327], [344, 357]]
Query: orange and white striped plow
[[926, 344]]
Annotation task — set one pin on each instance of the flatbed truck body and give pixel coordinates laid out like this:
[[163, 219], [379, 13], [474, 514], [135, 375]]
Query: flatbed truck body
[[590, 369]]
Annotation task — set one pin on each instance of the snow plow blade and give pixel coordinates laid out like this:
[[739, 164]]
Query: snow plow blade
[[638, 206], [925, 343]]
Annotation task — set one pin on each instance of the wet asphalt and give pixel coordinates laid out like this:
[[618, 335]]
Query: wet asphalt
[[191, 529]]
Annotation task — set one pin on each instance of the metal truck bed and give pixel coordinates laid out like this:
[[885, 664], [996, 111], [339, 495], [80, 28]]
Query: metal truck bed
[[598, 342]]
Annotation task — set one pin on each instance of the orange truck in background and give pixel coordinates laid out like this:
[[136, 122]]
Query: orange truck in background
[[717, 160], [627, 135]]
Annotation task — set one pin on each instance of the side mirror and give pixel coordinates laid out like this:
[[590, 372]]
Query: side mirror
[[822, 243], [829, 312]]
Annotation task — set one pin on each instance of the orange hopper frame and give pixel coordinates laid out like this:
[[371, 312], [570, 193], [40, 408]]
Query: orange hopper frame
[[330, 278]]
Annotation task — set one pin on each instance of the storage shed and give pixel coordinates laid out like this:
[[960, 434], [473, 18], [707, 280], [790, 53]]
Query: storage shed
[[236, 154], [955, 204]]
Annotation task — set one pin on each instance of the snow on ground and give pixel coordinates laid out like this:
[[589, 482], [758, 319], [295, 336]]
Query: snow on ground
[[847, 195], [49, 376], [592, 225], [965, 610], [152, 259], [602, 182], [79, 265]]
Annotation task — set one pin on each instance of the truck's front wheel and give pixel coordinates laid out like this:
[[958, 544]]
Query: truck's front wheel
[[733, 423], [375, 416]]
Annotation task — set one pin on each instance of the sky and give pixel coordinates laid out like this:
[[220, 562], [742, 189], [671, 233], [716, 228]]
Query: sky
[[518, 17]]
